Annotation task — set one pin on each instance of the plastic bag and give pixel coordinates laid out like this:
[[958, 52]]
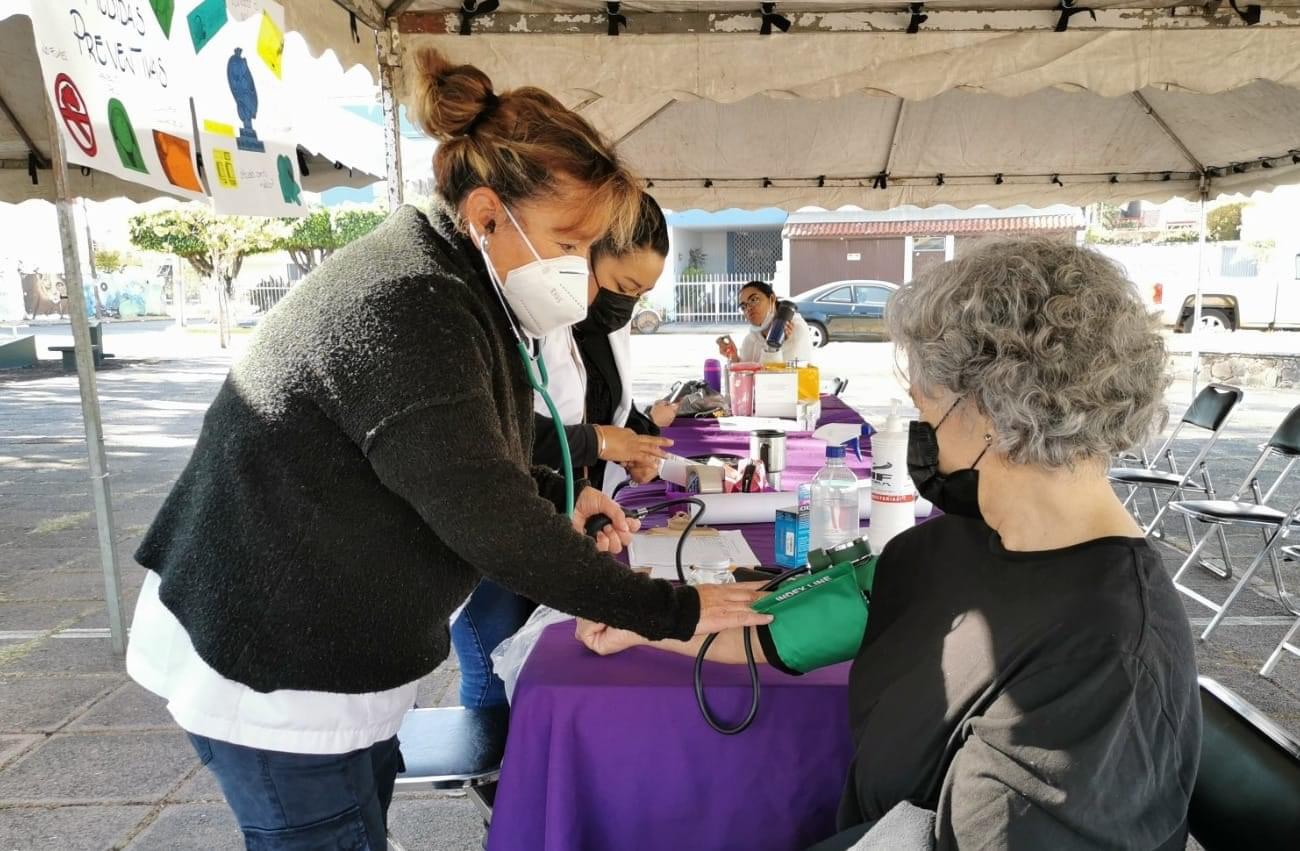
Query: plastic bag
[[702, 403], [510, 655]]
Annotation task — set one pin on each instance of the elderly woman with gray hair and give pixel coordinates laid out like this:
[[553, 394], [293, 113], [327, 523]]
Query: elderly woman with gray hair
[[1027, 678]]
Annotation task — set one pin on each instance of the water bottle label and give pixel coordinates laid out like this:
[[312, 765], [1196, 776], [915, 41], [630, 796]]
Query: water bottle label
[[886, 481]]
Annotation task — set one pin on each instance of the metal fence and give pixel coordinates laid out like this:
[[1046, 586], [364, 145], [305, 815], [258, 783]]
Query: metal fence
[[709, 299], [266, 294]]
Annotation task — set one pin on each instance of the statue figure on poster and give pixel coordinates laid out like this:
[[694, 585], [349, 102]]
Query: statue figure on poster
[[244, 91]]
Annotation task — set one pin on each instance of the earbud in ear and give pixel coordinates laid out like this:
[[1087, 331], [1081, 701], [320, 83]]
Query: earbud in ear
[[492, 226]]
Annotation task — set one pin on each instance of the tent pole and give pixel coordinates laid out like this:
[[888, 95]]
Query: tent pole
[[1200, 280], [99, 486], [390, 64], [178, 291], [893, 136], [41, 161]]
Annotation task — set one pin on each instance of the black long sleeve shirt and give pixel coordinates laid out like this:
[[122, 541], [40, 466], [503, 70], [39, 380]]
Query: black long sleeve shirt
[[362, 467]]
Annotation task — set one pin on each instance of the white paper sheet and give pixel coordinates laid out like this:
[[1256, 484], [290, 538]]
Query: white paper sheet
[[659, 552], [251, 156]]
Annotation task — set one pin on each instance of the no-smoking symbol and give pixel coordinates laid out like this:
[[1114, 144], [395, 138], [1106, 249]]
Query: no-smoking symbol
[[72, 107]]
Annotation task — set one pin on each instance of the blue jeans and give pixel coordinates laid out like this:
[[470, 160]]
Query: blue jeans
[[301, 802], [492, 615]]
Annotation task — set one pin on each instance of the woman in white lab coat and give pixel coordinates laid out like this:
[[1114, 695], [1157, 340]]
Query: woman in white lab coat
[[590, 367], [609, 438], [758, 303]]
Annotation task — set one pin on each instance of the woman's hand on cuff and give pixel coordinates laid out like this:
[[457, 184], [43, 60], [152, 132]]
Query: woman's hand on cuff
[[728, 606]]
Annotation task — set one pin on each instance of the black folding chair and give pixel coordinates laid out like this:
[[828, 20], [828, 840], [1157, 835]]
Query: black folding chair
[[454, 748], [1209, 411], [1284, 646], [833, 385], [1274, 524], [1247, 792]]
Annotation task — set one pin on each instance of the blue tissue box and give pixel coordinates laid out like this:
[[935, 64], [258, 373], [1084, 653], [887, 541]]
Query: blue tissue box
[[793, 532]]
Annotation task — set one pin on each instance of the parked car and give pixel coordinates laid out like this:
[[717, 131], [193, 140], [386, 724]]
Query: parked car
[[846, 310]]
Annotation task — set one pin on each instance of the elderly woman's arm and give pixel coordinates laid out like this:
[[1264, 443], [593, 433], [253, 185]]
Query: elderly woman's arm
[[728, 647]]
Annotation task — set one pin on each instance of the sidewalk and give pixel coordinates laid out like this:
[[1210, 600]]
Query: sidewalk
[[1238, 342]]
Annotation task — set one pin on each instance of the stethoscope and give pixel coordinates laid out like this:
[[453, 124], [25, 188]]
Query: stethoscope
[[538, 379]]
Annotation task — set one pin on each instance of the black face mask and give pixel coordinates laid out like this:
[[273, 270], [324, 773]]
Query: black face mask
[[952, 493], [610, 311]]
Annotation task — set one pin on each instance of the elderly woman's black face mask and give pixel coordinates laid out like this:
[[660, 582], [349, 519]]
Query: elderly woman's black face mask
[[952, 493]]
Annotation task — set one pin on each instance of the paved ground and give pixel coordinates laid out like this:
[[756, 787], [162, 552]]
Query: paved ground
[[89, 760]]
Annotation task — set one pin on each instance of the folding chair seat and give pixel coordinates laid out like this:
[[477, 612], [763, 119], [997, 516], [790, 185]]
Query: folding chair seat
[[1209, 411], [454, 748], [1291, 553], [1274, 524]]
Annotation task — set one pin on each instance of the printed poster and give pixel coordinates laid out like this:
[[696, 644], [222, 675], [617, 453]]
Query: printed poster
[[118, 80], [242, 108]]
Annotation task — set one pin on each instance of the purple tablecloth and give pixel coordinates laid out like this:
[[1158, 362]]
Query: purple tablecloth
[[804, 456], [611, 753]]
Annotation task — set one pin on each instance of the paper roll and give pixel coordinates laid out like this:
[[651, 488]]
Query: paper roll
[[726, 508], [673, 469]]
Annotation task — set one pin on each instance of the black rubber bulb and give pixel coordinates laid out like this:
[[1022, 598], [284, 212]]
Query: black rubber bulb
[[597, 523]]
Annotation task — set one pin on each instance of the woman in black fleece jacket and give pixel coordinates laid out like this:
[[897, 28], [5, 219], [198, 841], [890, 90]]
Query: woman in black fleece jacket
[[367, 462]]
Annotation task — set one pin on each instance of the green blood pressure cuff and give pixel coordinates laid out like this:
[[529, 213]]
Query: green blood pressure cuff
[[820, 618]]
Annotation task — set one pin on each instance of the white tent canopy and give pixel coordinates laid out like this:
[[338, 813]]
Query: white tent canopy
[[873, 120], [1045, 148], [846, 107], [326, 135], [345, 28]]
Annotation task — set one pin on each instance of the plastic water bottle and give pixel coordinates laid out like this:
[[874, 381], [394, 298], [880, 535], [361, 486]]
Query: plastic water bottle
[[834, 515]]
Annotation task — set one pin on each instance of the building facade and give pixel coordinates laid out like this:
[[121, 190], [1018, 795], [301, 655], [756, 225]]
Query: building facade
[[897, 245]]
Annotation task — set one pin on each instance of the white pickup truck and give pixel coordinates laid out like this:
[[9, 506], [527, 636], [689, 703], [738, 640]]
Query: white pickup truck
[[1243, 287]]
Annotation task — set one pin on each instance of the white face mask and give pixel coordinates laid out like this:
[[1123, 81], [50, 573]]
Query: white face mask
[[545, 295]]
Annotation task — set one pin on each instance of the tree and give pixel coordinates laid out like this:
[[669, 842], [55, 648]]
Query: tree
[[214, 245], [321, 232], [1109, 216], [309, 240], [695, 260], [1223, 224], [109, 260]]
